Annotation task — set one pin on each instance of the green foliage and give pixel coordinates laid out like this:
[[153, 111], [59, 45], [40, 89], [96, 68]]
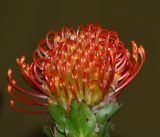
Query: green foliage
[[105, 129], [103, 116], [48, 131], [58, 114], [81, 121], [107, 112], [58, 134]]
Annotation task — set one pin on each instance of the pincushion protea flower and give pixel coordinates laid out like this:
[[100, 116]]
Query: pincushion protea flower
[[78, 75]]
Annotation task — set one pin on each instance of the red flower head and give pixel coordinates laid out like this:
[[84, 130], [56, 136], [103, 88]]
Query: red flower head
[[90, 65]]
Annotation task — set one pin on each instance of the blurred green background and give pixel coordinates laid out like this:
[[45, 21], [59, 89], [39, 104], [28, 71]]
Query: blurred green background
[[24, 22]]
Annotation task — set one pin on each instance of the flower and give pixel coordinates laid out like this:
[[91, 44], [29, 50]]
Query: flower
[[88, 65]]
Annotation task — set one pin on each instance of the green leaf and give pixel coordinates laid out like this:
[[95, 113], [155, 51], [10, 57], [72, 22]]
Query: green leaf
[[57, 133], [103, 116], [104, 130], [107, 112], [81, 122], [95, 135], [48, 131], [58, 114]]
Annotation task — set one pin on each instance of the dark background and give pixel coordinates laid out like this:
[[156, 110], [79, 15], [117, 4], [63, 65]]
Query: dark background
[[24, 23]]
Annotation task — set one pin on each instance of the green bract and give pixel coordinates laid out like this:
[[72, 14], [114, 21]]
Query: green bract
[[81, 121]]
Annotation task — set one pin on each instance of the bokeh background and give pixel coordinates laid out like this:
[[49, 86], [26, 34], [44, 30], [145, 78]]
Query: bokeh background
[[24, 22]]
